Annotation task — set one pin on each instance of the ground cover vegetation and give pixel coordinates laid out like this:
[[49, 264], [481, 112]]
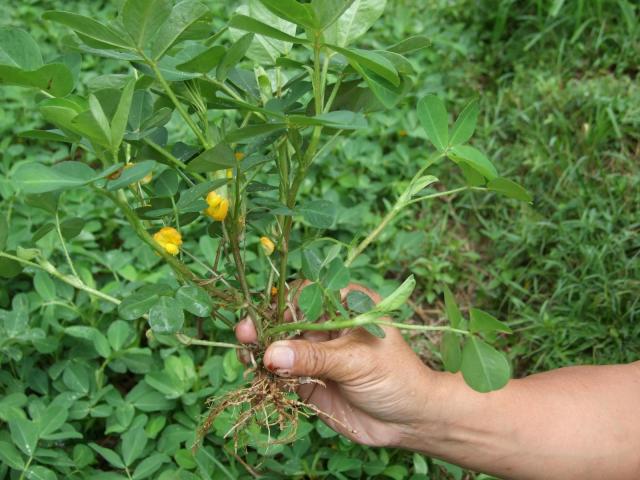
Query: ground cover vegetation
[[93, 386]]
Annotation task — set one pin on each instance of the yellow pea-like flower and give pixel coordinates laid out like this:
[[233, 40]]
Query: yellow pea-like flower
[[169, 239], [267, 245], [218, 206]]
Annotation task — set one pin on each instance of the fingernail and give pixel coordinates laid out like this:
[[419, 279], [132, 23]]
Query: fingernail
[[280, 358]]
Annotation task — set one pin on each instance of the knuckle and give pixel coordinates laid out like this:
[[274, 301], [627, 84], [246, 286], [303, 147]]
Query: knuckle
[[316, 358]]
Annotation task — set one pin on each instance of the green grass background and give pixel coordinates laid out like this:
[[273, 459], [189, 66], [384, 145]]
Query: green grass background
[[560, 113]]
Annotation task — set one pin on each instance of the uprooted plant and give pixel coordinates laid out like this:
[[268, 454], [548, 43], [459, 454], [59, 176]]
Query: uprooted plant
[[263, 98]]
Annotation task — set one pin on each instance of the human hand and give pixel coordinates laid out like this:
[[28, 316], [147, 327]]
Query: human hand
[[376, 388]]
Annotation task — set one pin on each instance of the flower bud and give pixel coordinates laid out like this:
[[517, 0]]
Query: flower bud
[[267, 245]]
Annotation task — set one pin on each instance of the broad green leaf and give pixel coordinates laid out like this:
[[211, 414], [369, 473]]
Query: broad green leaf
[[134, 442], [359, 302], [219, 157], [484, 368], [38, 178], [121, 116], [143, 18], [319, 213], [310, 302], [44, 286], [92, 334], [10, 456], [465, 124], [194, 300], [190, 195], [354, 22], [54, 78], [150, 465], [311, 264], [61, 112], [233, 55], [371, 61], [451, 352], [109, 455], [183, 15], [339, 119], [52, 419], [72, 227], [205, 61], [131, 174], [19, 49], [398, 297], [9, 268], [509, 188], [453, 313], [292, 11], [327, 12], [475, 159], [411, 44], [242, 134], [88, 27], [24, 434], [337, 275], [433, 117], [167, 183], [387, 93], [38, 472], [101, 120], [120, 334], [76, 377], [481, 321], [248, 24], [136, 305], [4, 232], [418, 185], [166, 316], [374, 329]]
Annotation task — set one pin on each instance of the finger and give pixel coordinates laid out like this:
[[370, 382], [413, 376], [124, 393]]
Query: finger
[[246, 331]]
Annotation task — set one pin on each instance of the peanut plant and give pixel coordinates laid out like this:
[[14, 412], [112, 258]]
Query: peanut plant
[[205, 136]]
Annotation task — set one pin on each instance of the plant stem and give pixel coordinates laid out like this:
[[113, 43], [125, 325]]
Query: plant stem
[[186, 340], [178, 105], [353, 254], [172, 159], [64, 246]]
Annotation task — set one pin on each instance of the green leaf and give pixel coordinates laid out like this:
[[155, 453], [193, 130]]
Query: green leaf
[[204, 62], [327, 12], [72, 227], [481, 321], [44, 286], [337, 275], [10, 456], [142, 19], [134, 442], [233, 56], [88, 27], [130, 175], [339, 119], [319, 213], [183, 15], [194, 300], [101, 120], [38, 178], [509, 188], [398, 297], [167, 183], [119, 334], [354, 22], [374, 329], [475, 159], [54, 78], [187, 197], [451, 352], [150, 465], [248, 24], [311, 264], [76, 378], [240, 135], [372, 61], [9, 268], [52, 419], [166, 316], [453, 313], [121, 116], [310, 302], [433, 117], [19, 49], [4, 232], [136, 305], [465, 124], [219, 157], [109, 455], [293, 12], [38, 472], [92, 334], [24, 434], [411, 44], [483, 367], [359, 302]]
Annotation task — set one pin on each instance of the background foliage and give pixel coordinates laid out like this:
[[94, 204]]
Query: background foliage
[[560, 112]]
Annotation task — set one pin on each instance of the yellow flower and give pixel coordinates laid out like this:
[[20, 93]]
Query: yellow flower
[[218, 206], [274, 291], [402, 133], [267, 245], [239, 156], [169, 239]]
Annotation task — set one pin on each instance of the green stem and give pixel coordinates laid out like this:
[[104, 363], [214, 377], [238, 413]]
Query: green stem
[[26, 467], [172, 159], [186, 340], [178, 105], [64, 246]]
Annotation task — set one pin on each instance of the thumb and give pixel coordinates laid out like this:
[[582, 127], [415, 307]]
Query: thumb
[[307, 359]]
